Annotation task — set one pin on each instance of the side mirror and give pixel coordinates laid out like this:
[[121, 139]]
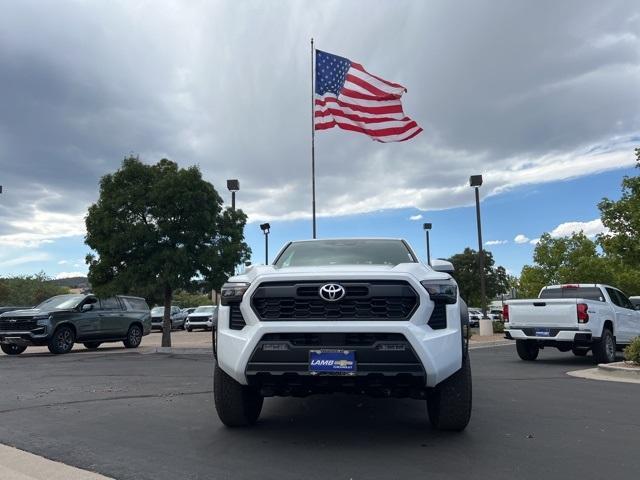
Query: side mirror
[[440, 265], [87, 307]]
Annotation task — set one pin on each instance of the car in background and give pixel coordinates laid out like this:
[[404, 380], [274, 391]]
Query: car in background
[[178, 318], [495, 314], [635, 301], [474, 318], [189, 310], [63, 320], [574, 318], [205, 317]]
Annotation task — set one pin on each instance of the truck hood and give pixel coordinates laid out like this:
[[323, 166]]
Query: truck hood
[[32, 312], [417, 270]]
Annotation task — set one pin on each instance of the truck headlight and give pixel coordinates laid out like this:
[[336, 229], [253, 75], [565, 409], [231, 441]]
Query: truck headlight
[[232, 292], [42, 319], [441, 291]]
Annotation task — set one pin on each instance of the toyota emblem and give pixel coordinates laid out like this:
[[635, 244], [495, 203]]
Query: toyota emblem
[[332, 292]]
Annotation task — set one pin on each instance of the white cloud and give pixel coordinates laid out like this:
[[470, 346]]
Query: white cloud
[[590, 229], [534, 241], [520, 239], [415, 217], [496, 242], [22, 259], [62, 262], [70, 274]]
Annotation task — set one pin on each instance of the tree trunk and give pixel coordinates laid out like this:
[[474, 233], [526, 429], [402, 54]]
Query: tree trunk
[[166, 321]]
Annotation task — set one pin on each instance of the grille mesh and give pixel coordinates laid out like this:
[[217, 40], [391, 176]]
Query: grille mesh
[[375, 300], [7, 324]]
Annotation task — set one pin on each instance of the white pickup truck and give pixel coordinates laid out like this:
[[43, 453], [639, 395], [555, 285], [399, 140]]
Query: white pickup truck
[[575, 318]]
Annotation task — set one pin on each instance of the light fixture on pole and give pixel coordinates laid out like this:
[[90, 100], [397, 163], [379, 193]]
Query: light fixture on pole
[[486, 326], [427, 227], [233, 186], [266, 228]]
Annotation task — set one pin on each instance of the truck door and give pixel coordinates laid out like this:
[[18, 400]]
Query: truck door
[[624, 315], [111, 318]]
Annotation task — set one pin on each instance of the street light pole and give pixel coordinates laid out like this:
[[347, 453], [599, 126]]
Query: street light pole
[[486, 326], [427, 227], [233, 186], [266, 228]]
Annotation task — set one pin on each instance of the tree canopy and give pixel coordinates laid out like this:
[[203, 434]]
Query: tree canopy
[[612, 258], [29, 290], [159, 228], [467, 274]]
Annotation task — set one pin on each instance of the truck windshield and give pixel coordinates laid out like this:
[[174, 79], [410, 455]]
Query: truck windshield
[[345, 252], [590, 293], [61, 302]]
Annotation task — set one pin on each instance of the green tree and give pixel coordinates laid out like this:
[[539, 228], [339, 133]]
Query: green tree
[[28, 290], [622, 218], [467, 274], [572, 259], [158, 228]]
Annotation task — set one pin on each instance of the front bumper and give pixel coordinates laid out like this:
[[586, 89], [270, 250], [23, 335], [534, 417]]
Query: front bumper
[[37, 336], [438, 352]]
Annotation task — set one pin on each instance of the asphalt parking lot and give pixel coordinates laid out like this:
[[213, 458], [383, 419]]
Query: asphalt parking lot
[[151, 416]]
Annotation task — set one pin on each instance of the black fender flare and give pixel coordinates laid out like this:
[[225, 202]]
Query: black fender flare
[[464, 322]]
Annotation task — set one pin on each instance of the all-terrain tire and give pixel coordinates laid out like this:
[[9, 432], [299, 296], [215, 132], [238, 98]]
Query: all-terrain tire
[[449, 402], [134, 337], [189, 329], [528, 350], [604, 349], [62, 340], [237, 405], [12, 349], [92, 345], [580, 352]]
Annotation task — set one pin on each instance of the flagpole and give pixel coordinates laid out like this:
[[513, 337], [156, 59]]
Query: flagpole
[[313, 146]]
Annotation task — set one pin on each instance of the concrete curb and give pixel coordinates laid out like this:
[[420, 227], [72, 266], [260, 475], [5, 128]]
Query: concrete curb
[[619, 369], [179, 350], [497, 343], [607, 374], [20, 465]]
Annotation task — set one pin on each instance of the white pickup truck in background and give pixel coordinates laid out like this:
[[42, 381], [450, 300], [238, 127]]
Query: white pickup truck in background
[[575, 318]]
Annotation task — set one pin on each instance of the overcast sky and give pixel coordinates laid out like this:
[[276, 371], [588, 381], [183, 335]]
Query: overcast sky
[[524, 92]]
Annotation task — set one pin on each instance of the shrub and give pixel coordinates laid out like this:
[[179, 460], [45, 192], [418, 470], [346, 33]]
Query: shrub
[[632, 351], [498, 327]]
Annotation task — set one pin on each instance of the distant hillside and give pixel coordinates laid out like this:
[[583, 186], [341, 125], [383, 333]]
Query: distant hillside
[[72, 282]]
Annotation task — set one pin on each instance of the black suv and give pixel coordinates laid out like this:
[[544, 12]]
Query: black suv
[[64, 319]]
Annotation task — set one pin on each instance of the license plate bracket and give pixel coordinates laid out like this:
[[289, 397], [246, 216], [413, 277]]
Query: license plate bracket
[[542, 332], [332, 362]]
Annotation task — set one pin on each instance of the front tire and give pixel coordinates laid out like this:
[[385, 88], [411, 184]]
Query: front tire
[[528, 350], [62, 340], [12, 349], [604, 350], [449, 402], [134, 337], [237, 405]]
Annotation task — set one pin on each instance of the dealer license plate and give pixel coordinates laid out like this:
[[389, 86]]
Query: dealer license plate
[[542, 332], [336, 362]]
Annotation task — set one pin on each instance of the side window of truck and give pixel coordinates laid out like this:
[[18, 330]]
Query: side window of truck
[[110, 304], [624, 301], [615, 297]]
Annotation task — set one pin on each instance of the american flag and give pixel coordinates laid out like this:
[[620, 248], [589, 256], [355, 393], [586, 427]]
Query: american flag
[[349, 97]]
